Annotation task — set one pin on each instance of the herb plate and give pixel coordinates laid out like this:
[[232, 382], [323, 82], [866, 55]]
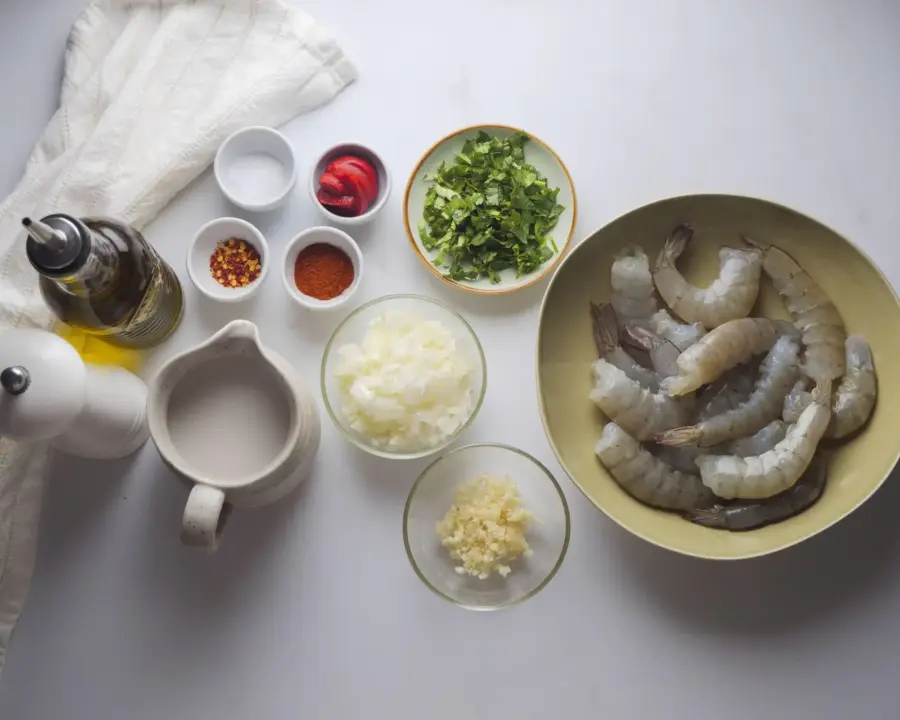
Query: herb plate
[[541, 157]]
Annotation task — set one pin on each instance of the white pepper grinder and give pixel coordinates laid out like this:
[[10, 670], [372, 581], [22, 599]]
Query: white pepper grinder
[[47, 392]]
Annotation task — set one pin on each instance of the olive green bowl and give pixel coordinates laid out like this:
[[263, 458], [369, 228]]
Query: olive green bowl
[[565, 351]]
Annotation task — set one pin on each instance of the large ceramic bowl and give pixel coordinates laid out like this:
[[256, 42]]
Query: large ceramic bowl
[[566, 348], [538, 154]]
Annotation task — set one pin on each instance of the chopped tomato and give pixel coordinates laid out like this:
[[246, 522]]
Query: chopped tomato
[[348, 176], [363, 165], [346, 205], [330, 184]]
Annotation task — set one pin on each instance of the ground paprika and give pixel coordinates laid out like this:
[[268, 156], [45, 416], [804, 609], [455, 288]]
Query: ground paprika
[[323, 271]]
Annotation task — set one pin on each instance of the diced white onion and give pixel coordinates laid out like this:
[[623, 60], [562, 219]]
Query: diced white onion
[[408, 385]]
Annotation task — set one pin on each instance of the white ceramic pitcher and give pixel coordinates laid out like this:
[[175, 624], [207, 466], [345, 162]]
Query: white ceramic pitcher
[[232, 418]]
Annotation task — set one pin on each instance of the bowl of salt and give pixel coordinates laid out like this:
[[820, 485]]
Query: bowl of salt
[[256, 168]]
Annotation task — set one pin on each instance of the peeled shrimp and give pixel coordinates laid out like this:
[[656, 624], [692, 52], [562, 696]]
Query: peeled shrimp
[[728, 345], [606, 337], [854, 398], [761, 442], [646, 477], [639, 411], [684, 458], [726, 393], [731, 295], [796, 401], [812, 312], [777, 373], [634, 299], [679, 334], [761, 476], [633, 296], [750, 514]]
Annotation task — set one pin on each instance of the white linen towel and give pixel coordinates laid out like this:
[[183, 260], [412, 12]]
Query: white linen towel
[[150, 90]]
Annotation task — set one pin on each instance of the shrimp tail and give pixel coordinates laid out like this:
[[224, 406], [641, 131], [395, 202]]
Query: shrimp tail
[[642, 338], [676, 437], [663, 353], [675, 245], [756, 245], [821, 393], [606, 327], [711, 517]]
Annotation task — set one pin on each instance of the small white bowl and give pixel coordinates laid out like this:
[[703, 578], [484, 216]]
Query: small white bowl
[[256, 168], [201, 249], [329, 236], [360, 150]]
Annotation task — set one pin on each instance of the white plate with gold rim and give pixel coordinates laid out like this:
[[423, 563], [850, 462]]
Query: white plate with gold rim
[[538, 154]]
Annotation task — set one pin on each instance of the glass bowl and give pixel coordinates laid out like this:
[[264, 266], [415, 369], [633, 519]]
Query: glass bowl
[[430, 499], [352, 330]]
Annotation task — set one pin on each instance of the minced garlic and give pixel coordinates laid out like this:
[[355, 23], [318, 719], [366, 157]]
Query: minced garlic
[[485, 527]]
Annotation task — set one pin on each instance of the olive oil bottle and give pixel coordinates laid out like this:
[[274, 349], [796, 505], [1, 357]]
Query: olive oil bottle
[[102, 277]]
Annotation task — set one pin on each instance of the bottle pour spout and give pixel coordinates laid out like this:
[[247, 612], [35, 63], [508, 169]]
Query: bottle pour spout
[[57, 243], [44, 234]]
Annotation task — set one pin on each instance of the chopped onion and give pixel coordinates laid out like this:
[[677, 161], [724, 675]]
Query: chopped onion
[[408, 385]]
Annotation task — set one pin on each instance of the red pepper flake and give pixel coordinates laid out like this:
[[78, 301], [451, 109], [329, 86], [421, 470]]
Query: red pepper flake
[[235, 263], [323, 271]]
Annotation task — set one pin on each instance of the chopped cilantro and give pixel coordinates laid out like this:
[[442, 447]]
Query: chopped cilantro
[[489, 210]]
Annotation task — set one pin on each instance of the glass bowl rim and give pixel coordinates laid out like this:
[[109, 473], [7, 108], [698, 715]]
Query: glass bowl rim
[[547, 578], [326, 353]]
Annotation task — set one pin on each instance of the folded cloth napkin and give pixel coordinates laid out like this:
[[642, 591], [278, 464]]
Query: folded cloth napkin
[[150, 90]]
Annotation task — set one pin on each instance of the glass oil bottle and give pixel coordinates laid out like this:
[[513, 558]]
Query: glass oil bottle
[[102, 277]]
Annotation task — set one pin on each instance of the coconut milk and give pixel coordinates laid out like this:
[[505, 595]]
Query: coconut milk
[[229, 418]]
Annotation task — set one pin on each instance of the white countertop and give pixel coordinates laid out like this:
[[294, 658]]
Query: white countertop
[[310, 609]]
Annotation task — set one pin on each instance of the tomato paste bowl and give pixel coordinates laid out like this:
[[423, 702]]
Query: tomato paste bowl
[[370, 161], [320, 236], [856, 466]]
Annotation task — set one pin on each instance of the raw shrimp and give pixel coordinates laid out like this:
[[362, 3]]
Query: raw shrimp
[[731, 295], [812, 312], [777, 373], [606, 336], [679, 458], [761, 442], [750, 514], [633, 295], [726, 393], [796, 401], [646, 477], [639, 411], [854, 398], [684, 458], [679, 334], [728, 345], [663, 354], [761, 476]]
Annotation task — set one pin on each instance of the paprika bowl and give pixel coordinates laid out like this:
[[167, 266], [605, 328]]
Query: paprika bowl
[[203, 245], [326, 236]]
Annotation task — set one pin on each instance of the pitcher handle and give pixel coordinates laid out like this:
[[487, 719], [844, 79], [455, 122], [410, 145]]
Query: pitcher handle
[[204, 517]]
